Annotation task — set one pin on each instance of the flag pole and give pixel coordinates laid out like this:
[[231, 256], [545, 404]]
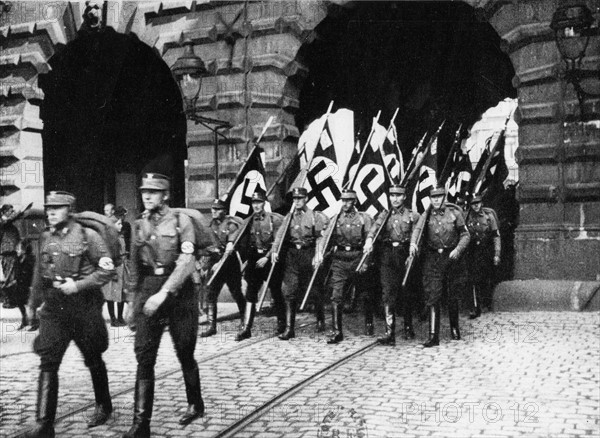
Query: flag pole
[[362, 152], [445, 170], [387, 171], [417, 164], [286, 224]]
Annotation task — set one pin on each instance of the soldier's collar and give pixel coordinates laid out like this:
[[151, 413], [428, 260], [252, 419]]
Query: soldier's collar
[[300, 210], [260, 216], [350, 212], [479, 213], [398, 209], [440, 210]]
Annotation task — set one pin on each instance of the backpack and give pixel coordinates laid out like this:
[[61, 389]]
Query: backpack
[[106, 228], [204, 236]]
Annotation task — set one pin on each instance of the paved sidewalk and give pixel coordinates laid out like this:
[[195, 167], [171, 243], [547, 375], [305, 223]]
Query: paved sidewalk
[[514, 374]]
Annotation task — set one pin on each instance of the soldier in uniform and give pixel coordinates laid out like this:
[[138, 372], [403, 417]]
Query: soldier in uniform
[[445, 239], [395, 239], [162, 261], [225, 229], [263, 226], [73, 265], [483, 253], [299, 255], [348, 239]]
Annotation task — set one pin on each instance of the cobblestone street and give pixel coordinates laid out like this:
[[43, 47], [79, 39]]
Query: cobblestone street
[[513, 374]]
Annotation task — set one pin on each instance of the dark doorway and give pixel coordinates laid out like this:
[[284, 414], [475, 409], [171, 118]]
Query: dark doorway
[[111, 110], [434, 60]]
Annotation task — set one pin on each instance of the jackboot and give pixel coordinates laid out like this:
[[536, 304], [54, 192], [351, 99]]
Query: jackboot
[[390, 327], [194, 397], [476, 312], [211, 316], [246, 331], [103, 401], [409, 332], [434, 327], [453, 315], [337, 335], [142, 409], [320, 314], [369, 329], [46, 406], [290, 321]]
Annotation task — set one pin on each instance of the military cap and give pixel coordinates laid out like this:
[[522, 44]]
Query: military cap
[[476, 199], [218, 204], [438, 191], [258, 197], [299, 192], [397, 190], [155, 181], [348, 194], [59, 199]]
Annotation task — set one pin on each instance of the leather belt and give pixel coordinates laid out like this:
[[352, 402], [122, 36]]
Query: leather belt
[[301, 246], [161, 271], [349, 248]]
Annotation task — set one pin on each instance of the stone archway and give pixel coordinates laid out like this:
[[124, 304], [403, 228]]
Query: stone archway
[[111, 110]]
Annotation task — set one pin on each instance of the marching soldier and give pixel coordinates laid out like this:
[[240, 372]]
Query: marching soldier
[[348, 238], [299, 255], [483, 253], [162, 261], [395, 239], [445, 239], [225, 229], [263, 228], [74, 264]]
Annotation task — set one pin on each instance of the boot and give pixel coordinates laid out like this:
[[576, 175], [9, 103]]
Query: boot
[[194, 397], [35, 324], [390, 326], [290, 321], [246, 331], [369, 329], [46, 406], [142, 409], [103, 402], [409, 332], [24, 321], [211, 316], [320, 314], [453, 314], [476, 312], [434, 327], [337, 335]]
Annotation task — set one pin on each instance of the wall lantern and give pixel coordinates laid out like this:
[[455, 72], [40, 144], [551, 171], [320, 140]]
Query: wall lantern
[[572, 26], [188, 71]]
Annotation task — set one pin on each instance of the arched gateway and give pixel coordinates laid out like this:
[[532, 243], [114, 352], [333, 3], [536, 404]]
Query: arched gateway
[[264, 59]]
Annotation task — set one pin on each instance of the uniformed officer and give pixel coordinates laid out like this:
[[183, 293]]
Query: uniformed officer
[[162, 261], [263, 226], [394, 238], [483, 253], [73, 265], [225, 229], [446, 238], [298, 254], [348, 238]]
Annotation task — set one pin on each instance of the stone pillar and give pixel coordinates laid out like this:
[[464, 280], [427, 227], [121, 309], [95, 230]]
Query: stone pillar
[[559, 158], [30, 34]]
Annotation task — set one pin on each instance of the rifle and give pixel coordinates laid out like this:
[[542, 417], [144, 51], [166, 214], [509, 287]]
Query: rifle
[[226, 255], [410, 260], [276, 250], [326, 240], [365, 255]]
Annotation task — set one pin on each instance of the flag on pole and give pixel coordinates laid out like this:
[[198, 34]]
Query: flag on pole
[[457, 185], [371, 182], [496, 170], [427, 179], [250, 179], [392, 156]]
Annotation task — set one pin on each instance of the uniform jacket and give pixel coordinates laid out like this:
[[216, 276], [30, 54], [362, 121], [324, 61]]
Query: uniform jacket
[[306, 226], [263, 228], [71, 251], [225, 231], [445, 229], [351, 229], [398, 227], [164, 240], [483, 228]]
